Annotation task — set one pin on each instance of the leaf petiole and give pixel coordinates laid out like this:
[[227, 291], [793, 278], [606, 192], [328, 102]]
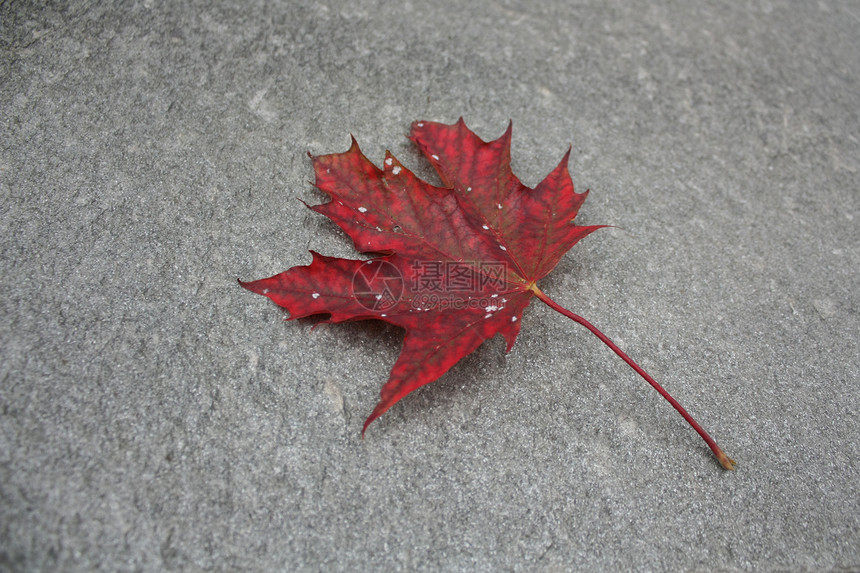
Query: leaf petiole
[[724, 460]]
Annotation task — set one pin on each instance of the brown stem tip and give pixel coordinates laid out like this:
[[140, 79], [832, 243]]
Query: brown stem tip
[[725, 461]]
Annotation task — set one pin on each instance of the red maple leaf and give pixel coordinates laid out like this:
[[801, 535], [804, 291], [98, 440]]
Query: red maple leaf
[[455, 265]]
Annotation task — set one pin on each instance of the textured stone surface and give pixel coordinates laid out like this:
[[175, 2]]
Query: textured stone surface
[[155, 416]]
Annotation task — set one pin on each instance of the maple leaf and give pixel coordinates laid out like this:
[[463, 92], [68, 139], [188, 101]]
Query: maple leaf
[[454, 265]]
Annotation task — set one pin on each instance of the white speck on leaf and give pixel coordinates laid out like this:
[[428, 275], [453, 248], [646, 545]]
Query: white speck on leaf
[[434, 156], [502, 247], [315, 295], [396, 170], [362, 209]]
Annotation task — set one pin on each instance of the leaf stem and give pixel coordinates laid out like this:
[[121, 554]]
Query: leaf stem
[[724, 460]]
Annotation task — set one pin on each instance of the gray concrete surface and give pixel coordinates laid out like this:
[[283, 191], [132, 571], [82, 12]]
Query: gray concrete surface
[[156, 417]]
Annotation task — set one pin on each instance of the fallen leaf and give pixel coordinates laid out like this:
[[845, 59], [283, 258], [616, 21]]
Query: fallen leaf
[[454, 265]]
